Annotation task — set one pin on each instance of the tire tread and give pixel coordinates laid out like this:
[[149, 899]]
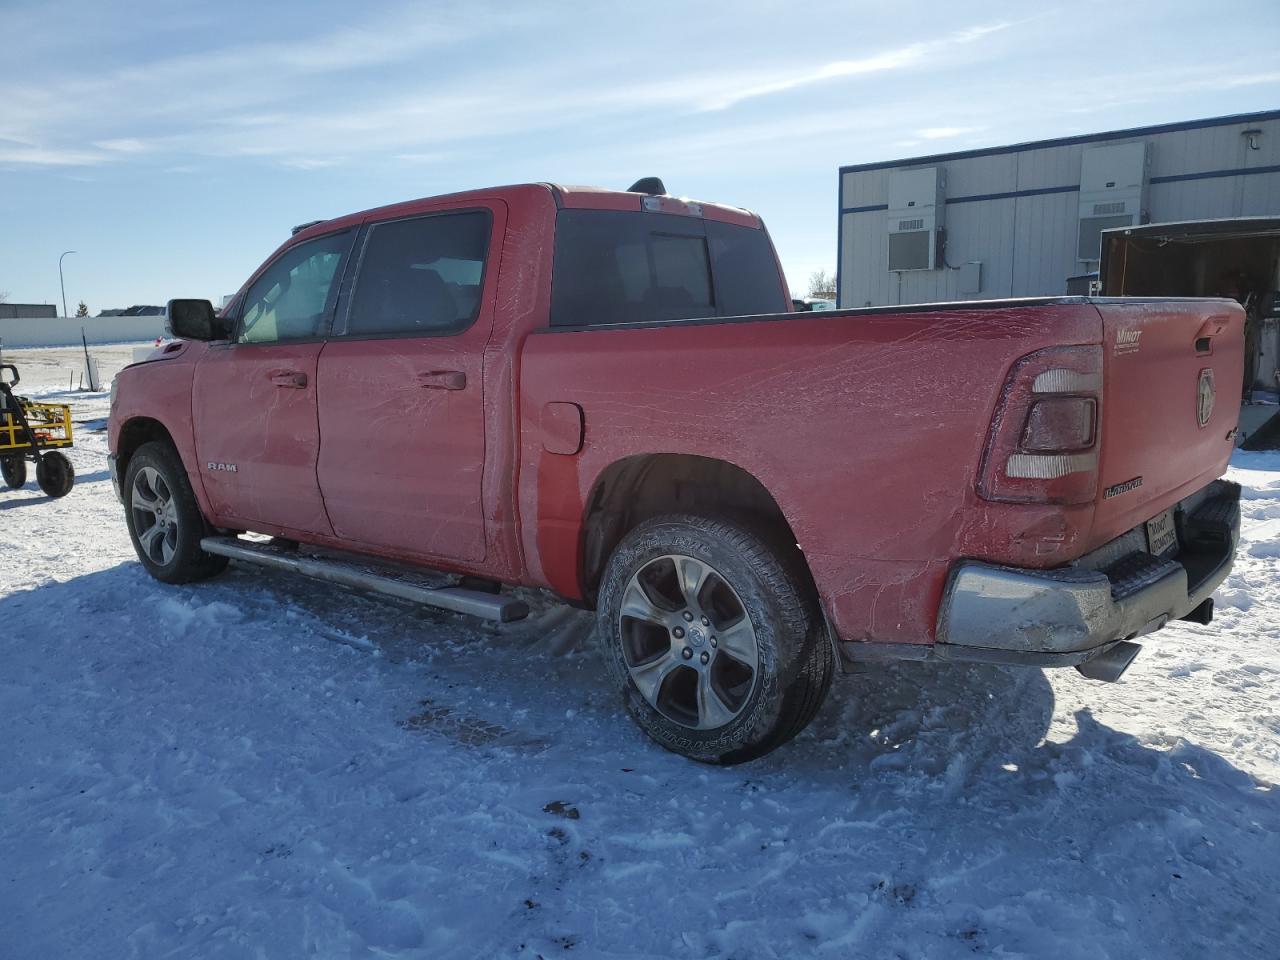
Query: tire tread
[[804, 674], [192, 563]]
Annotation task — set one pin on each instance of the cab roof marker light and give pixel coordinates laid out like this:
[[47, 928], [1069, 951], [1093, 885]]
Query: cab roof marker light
[[654, 205]]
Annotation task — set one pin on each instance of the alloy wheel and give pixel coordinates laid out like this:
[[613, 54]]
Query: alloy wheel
[[155, 516], [688, 642]]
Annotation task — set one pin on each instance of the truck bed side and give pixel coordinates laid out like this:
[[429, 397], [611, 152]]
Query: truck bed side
[[866, 427]]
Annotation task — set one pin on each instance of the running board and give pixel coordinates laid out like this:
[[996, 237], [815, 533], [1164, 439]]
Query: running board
[[475, 603]]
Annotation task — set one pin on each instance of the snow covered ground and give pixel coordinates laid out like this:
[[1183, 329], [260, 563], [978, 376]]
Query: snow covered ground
[[264, 767]]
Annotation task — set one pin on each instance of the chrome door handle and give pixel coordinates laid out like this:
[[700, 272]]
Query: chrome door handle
[[443, 380], [293, 379]]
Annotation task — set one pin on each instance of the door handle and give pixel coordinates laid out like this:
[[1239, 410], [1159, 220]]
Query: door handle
[[443, 380], [289, 378]]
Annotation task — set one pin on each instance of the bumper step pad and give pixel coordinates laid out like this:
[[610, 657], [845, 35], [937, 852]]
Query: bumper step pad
[[1137, 571]]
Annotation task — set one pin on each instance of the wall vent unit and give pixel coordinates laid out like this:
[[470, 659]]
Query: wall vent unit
[[915, 218], [1113, 188]]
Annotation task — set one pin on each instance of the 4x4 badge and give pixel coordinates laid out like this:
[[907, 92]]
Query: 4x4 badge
[[1205, 395]]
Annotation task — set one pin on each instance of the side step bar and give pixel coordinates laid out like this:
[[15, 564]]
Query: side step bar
[[474, 603]]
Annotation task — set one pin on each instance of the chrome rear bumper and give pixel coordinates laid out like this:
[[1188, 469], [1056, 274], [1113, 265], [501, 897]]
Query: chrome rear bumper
[[1067, 616]]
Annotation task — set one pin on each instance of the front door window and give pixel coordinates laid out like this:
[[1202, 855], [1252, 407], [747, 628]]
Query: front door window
[[292, 297]]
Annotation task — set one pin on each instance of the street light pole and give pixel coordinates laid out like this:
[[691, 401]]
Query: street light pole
[[62, 284]]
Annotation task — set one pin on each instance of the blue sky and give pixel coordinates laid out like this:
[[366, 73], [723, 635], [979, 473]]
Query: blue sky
[[174, 144]]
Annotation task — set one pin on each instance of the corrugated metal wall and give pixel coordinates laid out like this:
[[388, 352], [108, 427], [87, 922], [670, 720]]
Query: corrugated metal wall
[[1027, 243]]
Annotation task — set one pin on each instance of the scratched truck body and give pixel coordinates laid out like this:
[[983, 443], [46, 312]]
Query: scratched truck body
[[602, 394]]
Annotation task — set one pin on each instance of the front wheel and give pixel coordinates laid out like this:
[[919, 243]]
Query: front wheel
[[55, 475], [713, 638], [164, 518]]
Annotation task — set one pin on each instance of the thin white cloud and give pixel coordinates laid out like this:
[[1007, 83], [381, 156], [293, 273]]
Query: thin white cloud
[[418, 119], [50, 157], [186, 94], [413, 158], [122, 145], [309, 163], [946, 133], [897, 59]]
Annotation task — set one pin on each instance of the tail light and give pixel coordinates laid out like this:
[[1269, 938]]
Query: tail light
[[1043, 444]]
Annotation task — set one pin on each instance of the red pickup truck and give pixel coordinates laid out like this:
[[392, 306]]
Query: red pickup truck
[[603, 394]]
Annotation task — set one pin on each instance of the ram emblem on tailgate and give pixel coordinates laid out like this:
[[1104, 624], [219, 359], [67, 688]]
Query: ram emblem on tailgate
[[1205, 397]]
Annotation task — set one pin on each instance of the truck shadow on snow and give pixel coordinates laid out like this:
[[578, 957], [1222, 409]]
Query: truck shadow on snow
[[929, 791], [952, 721], [932, 719]]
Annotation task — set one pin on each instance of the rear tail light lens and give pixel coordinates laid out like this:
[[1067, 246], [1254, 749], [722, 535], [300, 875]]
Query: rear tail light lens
[[1060, 424], [1043, 443]]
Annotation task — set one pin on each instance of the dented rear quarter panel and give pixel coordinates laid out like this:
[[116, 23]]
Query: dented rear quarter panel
[[867, 427]]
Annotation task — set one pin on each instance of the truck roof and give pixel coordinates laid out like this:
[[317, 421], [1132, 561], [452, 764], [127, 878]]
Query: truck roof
[[565, 197]]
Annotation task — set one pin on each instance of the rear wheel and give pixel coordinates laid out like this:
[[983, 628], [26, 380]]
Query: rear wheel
[[717, 646], [164, 518], [54, 474], [14, 470]]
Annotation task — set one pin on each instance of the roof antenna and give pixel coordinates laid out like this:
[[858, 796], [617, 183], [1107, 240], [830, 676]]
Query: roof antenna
[[650, 185]]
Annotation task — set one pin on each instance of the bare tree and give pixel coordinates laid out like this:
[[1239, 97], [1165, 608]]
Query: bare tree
[[822, 284], [4, 296]]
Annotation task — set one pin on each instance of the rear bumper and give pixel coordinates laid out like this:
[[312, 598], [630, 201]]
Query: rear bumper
[[1068, 616]]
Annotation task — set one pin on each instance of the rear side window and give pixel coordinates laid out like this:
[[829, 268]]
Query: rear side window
[[421, 276], [633, 267], [747, 278], [622, 267]]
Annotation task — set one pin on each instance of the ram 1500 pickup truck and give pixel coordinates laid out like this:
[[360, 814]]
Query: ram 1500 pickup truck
[[603, 395]]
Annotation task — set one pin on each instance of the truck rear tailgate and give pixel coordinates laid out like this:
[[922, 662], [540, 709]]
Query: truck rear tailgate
[[1172, 385]]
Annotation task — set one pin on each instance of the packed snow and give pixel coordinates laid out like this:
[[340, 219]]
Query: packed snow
[[260, 766]]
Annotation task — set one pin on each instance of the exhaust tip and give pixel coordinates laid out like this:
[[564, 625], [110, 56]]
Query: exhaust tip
[[1203, 614], [1110, 665]]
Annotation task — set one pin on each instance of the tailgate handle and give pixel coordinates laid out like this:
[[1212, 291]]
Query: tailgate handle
[[289, 378], [443, 380], [1208, 330]]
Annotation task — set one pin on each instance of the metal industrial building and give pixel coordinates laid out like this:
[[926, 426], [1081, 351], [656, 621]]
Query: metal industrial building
[[10, 310], [1022, 220]]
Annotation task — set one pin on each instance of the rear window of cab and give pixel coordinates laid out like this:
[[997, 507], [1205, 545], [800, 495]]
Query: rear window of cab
[[616, 267]]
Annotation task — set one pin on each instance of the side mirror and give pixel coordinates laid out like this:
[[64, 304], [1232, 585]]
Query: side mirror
[[196, 320]]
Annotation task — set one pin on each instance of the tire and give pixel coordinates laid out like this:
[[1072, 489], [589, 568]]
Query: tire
[[54, 474], [648, 620], [14, 470], [164, 519]]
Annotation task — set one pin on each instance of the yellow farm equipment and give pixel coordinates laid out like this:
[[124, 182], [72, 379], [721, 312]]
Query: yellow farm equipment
[[33, 431]]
